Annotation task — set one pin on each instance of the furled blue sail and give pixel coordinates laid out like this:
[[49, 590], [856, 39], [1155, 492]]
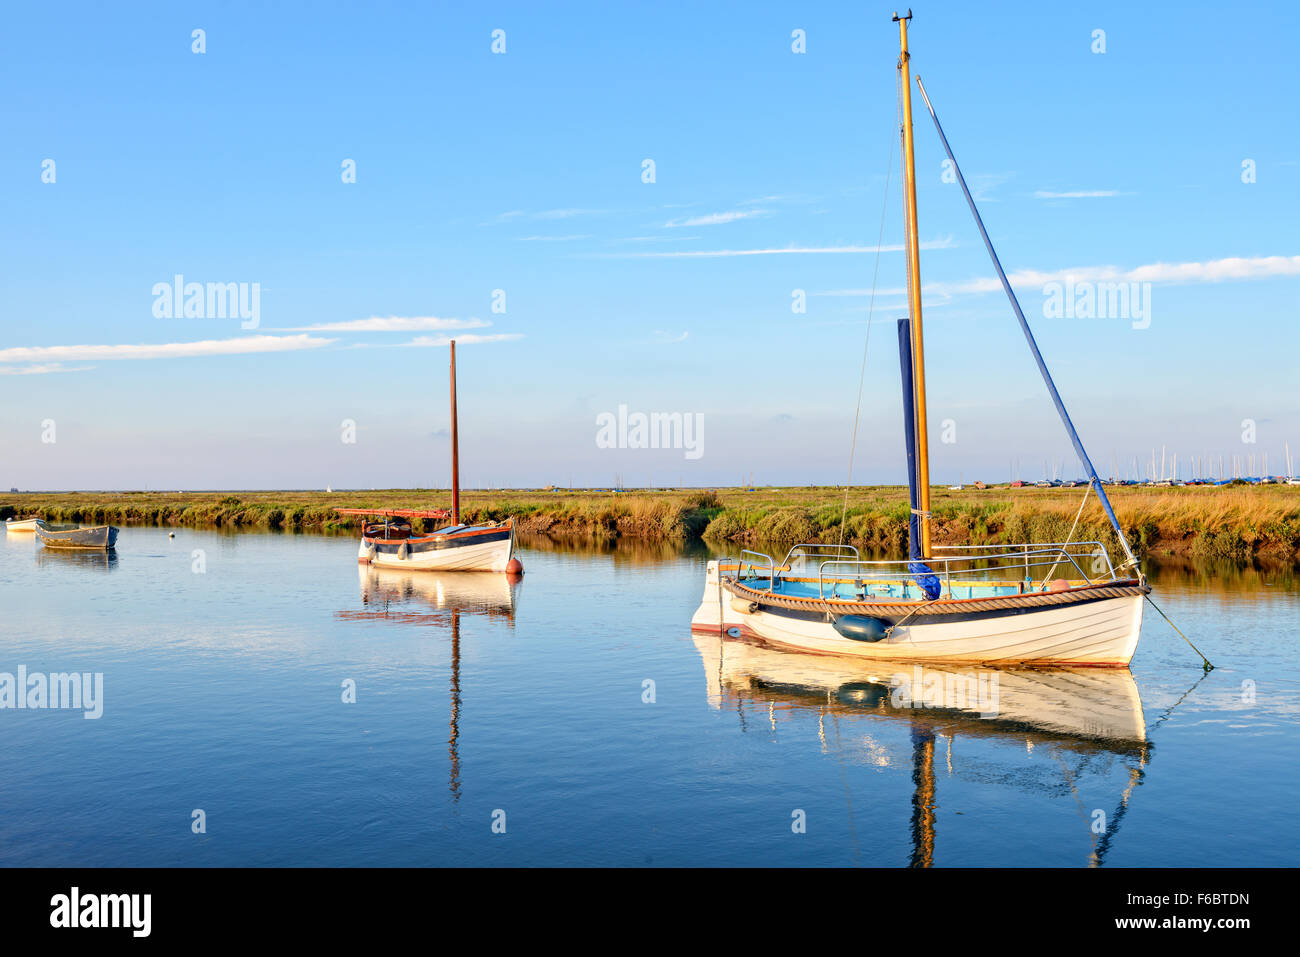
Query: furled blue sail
[[909, 434], [923, 574]]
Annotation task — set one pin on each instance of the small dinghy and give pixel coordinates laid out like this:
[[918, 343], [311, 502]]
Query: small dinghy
[[76, 536], [21, 524]]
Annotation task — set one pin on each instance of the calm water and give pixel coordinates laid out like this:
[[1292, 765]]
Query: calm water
[[223, 690]]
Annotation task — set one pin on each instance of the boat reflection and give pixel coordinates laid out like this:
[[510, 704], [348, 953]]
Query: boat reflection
[[99, 559], [468, 593], [450, 595], [1088, 719]]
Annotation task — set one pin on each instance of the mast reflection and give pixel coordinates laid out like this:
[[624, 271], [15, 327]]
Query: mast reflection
[[397, 596]]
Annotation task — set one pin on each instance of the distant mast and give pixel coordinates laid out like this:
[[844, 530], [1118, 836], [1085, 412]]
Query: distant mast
[[455, 445], [914, 292]]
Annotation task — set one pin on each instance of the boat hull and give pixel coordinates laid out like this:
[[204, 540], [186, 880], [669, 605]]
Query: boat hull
[[101, 537], [27, 525], [487, 548], [1087, 627]]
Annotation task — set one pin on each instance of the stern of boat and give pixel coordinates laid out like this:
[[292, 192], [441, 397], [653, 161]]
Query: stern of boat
[[715, 615]]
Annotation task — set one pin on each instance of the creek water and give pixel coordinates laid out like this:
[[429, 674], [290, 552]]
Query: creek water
[[264, 700]]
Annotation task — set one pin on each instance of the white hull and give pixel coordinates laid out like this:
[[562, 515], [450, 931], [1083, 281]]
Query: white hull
[[487, 557], [1098, 633], [25, 525]]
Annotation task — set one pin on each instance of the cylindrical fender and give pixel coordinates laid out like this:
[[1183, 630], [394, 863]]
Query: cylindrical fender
[[861, 628]]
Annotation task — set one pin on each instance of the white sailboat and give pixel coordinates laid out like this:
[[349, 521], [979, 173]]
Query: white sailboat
[[390, 542], [957, 604]]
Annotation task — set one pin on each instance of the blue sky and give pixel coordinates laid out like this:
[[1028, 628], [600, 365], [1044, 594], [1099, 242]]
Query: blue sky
[[522, 172]]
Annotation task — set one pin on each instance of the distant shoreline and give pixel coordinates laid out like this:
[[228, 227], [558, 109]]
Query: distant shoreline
[[1239, 522]]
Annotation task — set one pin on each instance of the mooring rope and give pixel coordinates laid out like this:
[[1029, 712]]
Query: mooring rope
[[1205, 662]]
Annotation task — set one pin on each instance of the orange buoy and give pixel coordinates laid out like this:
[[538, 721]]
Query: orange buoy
[[514, 567], [1060, 584]]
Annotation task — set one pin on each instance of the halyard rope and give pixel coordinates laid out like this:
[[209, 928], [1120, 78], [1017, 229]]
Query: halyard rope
[[871, 305], [1068, 538]]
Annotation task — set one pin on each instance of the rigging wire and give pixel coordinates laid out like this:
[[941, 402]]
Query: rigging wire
[[1132, 560], [862, 374], [1068, 538]]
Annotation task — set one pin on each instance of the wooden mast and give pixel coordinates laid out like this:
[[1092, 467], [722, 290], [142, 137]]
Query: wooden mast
[[914, 293], [455, 446]]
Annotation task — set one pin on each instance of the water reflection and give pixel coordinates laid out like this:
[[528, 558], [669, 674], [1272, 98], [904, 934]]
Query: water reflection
[[473, 593], [1087, 719], [450, 595], [98, 559], [629, 551]]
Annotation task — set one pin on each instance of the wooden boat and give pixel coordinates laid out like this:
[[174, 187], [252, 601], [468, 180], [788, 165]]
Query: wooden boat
[[76, 536], [21, 524], [391, 543], [943, 603]]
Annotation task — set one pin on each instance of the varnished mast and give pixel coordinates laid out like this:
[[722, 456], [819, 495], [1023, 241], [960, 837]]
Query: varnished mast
[[914, 292]]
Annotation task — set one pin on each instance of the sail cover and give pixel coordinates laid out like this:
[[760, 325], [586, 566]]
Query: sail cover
[[909, 433], [925, 577]]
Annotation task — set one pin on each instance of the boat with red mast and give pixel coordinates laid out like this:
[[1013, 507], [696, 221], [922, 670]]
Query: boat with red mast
[[389, 541]]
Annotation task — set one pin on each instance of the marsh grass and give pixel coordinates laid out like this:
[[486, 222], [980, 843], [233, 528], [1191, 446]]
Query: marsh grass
[[1230, 522]]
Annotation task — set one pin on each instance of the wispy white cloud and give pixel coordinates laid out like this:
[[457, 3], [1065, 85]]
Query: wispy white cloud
[[715, 219], [775, 198], [1231, 269], [1077, 194], [544, 214], [945, 243], [551, 239], [982, 185], [243, 345], [391, 324], [663, 336], [44, 369], [674, 238], [567, 213], [467, 339]]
